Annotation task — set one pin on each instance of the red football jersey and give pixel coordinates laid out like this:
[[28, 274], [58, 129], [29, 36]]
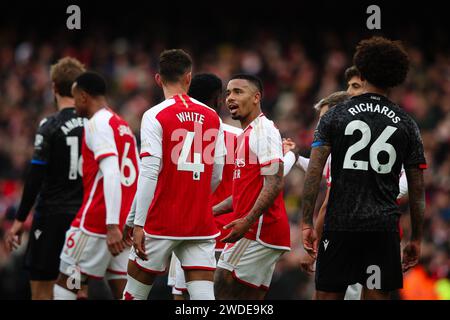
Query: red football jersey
[[106, 134], [224, 190], [257, 147], [187, 136]]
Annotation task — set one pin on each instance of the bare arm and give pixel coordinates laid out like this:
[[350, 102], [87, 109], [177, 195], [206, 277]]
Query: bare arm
[[321, 216], [411, 252], [319, 156], [225, 206], [273, 184], [416, 201]]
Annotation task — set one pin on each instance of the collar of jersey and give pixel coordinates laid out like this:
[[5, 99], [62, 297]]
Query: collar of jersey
[[251, 123], [367, 94]]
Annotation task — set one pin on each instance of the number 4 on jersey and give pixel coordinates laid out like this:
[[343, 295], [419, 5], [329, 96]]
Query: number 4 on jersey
[[183, 165]]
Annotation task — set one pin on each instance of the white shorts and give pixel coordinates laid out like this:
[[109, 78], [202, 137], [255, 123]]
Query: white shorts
[[250, 262], [193, 254], [90, 255], [176, 278], [353, 292]]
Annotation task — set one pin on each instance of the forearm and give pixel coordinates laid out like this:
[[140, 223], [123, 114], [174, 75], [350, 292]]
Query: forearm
[[321, 217], [273, 185], [148, 179], [224, 207], [313, 177], [416, 202], [33, 184], [112, 189]]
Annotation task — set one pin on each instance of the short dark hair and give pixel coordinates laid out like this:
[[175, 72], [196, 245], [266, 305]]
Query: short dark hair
[[63, 73], [382, 62], [351, 72], [204, 87], [332, 100], [92, 83], [250, 78], [173, 64]]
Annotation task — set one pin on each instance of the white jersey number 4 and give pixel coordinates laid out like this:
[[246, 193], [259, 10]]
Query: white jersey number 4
[[378, 146], [195, 167]]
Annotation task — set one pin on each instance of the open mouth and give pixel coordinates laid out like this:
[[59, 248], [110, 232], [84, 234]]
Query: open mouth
[[233, 108]]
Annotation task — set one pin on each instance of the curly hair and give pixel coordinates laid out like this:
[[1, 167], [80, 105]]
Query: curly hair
[[382, 62]]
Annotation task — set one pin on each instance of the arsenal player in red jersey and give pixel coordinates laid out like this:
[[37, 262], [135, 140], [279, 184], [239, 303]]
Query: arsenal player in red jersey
[[182, 156], [94, 245], [260, 232], [207, 88]]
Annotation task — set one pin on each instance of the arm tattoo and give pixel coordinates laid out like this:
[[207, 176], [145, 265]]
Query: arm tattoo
[[225, 206], [319, 156], [416, 201], [273, 184]]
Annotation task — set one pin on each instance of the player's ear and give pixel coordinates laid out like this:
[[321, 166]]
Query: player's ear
[[188, 78], [363, 82], [55, 91], [257, 97], [72, 89], [158, 80], [84, 97]]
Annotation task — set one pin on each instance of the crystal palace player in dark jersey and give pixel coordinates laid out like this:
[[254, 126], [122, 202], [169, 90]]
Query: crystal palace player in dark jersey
[[369, 138], [54, 175]]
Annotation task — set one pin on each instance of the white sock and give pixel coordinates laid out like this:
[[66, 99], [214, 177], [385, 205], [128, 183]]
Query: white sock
[[135, 290], [60, 293], [201, 290]]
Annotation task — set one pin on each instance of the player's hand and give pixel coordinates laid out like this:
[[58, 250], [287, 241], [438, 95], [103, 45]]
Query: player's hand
[[238, 228], [307, 263], [139, 242], [13, 237], [114, 239], [127, 235], [310, 241], [288, 145], [411, 254]]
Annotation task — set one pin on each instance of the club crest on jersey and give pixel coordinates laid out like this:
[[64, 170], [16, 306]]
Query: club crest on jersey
[[240, 163], [37, 234], [123, 130], [38, 140], [326, 242]]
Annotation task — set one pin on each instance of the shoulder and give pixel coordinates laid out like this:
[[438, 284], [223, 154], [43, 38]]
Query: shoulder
[[100, 121], [157, 109], [48, 124], [264, 126], [231, 129], [201, 104]]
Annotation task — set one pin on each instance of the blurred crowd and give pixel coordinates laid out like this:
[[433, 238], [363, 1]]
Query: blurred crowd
[[294, 79]]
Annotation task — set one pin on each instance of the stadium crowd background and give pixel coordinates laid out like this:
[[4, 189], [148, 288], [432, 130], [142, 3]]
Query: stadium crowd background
[[297, 69]]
